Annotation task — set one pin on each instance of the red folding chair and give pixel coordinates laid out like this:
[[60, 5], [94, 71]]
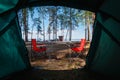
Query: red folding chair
[[38, 49], [79, 48]]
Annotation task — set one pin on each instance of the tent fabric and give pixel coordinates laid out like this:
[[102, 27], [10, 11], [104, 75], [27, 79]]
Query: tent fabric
[[13, 53], [6, 5], [106, 53], [91, 5], [111, 8], [103, 56]]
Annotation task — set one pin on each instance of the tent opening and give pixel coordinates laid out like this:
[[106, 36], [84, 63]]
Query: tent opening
[[46, 24]]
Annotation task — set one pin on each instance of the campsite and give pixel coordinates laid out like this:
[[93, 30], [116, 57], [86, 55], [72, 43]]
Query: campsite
[[59, 57], [95, 58]]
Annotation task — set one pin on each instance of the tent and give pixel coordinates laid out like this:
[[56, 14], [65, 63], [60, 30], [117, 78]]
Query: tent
[[104, 53]]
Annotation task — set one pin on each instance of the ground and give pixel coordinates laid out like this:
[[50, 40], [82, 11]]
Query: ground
[[57, 64], [58, 57]]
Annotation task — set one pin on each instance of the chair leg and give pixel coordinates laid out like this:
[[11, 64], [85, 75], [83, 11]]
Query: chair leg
[[44, 53], [33, 55], [74, 54], [78, 55]]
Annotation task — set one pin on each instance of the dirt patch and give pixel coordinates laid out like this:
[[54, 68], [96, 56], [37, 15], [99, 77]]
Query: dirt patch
[[58, 57], [63, 64]]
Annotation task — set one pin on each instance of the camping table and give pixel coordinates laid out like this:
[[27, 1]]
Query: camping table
[[65, 43], [68, 44]]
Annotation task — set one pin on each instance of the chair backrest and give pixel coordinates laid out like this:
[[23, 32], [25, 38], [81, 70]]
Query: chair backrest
[[34, 44], [35, 48], [82, 44], [81, 47]]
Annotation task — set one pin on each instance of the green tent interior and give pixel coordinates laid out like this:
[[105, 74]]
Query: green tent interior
[[104, 53]]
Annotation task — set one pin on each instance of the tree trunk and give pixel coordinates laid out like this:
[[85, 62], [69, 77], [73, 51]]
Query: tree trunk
[[70, 33], [85, 29], [88, 27], [25, 24], [43, 29], [49, 36]]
